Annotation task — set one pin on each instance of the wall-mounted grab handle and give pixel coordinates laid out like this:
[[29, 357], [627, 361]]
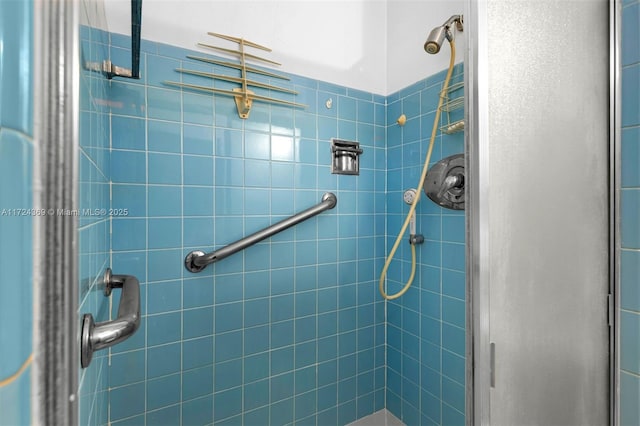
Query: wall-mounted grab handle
[[106, 334], [197, 260]]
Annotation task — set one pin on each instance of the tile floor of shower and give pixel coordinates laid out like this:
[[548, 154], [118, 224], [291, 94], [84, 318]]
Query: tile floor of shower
[[379, 418]]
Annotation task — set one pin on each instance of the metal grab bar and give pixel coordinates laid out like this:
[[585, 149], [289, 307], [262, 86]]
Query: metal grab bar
[[197, 260], [108, 333]]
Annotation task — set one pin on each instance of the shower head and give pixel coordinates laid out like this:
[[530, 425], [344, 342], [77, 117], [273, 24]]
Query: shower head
[[438, 34]]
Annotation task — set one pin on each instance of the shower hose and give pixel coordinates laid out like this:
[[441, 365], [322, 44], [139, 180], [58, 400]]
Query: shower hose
[[412, 208]]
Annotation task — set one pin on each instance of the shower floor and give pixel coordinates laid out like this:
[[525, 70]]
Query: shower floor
[[379, 418]]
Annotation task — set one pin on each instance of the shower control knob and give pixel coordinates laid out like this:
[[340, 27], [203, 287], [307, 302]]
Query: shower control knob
[[409, 196]]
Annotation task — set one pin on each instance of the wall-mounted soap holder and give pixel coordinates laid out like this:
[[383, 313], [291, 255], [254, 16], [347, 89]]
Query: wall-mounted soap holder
[[345, 157]]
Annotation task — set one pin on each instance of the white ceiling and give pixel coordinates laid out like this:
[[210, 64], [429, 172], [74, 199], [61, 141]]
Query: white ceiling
[[372, 45]]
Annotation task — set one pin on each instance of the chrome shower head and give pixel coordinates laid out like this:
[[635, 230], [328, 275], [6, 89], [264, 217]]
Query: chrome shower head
[[435, 39], [438, 34]]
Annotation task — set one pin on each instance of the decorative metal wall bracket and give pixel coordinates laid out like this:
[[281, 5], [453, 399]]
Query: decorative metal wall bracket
[[243, 96]]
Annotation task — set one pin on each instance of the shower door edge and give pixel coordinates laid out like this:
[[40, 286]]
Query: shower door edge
[[54, 399], [615, 185], [477, 265]]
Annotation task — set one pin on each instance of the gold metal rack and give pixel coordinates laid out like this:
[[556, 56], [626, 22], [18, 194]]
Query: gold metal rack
[[453, 105], [243, 96]]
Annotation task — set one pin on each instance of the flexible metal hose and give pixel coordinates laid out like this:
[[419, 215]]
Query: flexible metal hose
[[412, 209]]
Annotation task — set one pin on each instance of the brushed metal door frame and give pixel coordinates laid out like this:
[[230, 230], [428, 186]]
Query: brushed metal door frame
[[479, 375]]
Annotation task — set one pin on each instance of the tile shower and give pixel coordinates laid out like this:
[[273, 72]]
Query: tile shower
[[303, 302], [292, 329]]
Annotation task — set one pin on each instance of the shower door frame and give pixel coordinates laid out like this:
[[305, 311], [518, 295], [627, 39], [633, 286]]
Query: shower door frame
[[56, 77], [478, 348]]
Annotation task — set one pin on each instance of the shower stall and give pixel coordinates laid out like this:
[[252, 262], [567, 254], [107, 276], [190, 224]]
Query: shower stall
[[165, 258]]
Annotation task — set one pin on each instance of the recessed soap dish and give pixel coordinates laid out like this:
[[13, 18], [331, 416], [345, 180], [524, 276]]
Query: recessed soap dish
[[345, 157]]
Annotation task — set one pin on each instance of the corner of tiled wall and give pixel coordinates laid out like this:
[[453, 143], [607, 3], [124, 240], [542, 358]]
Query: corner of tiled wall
[[16, 200], [630, 212], [426, 326]]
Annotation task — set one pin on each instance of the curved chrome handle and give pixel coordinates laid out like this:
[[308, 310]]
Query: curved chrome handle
[[106, 334]]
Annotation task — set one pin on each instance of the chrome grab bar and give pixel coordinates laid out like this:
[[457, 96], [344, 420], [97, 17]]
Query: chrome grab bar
[[108, 333], [197, 260]]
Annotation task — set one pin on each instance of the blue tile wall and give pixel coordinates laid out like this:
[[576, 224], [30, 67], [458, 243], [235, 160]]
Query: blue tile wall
[[93, 232], [426, 326], [630, 212], [16, 251], [289, 330]]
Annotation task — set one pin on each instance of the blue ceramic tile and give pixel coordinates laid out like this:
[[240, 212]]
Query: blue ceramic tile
[[227, 404], [453, 394], [257, 145], [167, 416], [228, 317], [161, 69], [228, 374], [198, 292], [198, 411], [629, 279], [453, 311], [256, 339], [197, 352], [629, 226], [257, 174], [228, 288], [127, 401], [197, 201], [128, 133], [226, 113], [127, 368], [451, 416], [256, 367], [197, 322], [256, 312], [165, 264], [15, 249], [197, 382], [228, 346], [163, 360], [164, 104], [164, 297], [163, 328], [229, 143], [629, 397], [197, 139], [630, 157], [164, 136], [453, 339], [16, 103], [15, 400], [164, 200], [630, 98], [281, 387], [131, 198], [229, 172], [630, 49], [198, 232], [128, 99], [198, 170], [164, 169], [162, 392], [282, 334], [282, 148], [164, 233], [453, 256], [630, 342], [256, 395], [128, 167]]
